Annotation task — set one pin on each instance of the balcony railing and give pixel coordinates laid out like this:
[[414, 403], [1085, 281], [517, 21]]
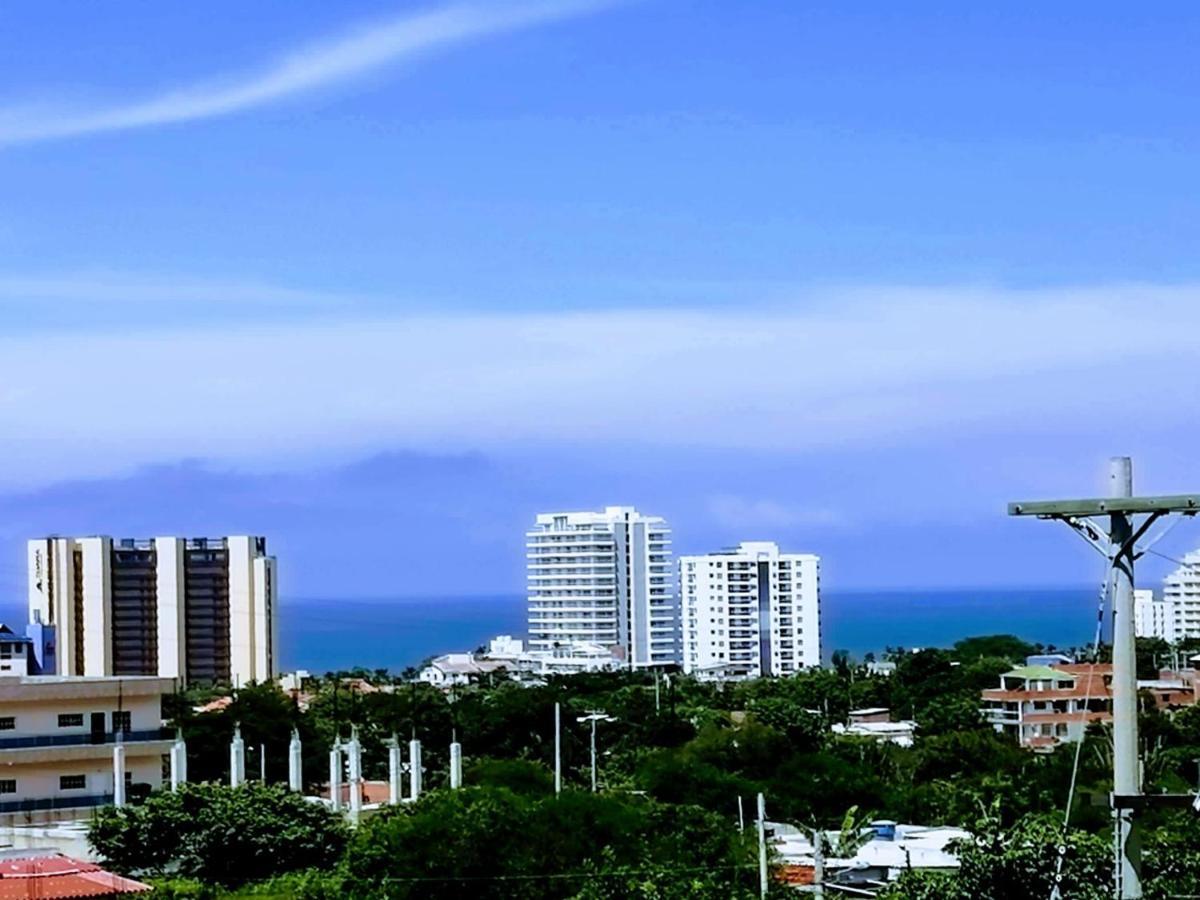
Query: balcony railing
[[76, 740], [82, 801]]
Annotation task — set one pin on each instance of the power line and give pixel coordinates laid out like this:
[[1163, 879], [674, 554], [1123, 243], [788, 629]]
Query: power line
[[1105, 587]]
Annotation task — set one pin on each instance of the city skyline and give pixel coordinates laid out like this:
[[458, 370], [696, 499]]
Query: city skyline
[[296, 272]]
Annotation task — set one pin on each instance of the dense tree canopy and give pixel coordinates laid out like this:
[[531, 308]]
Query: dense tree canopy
[[219, 834], [673, 763]]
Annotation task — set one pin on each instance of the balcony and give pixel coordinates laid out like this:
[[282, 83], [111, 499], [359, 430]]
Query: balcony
[[77, 740]]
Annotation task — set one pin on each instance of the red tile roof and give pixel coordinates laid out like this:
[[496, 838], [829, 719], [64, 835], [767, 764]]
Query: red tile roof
[[53, 876]]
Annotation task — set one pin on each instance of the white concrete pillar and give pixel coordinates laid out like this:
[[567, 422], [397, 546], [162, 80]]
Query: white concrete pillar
[[414, 769], [354, 755], [455, 765], [119, 774], [178, 761], [395, 767], [237, 758], [335, 774], [295, 763]]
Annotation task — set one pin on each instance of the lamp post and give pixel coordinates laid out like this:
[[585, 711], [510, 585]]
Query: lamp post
[[595, 716]]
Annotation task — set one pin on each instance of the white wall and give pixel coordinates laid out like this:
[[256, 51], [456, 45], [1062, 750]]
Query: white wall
[[241, 610], [265, 625], [97, 605], [172, 620]]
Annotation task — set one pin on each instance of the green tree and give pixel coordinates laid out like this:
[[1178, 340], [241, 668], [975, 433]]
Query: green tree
[[1021, 862], [1008, 647], [219, 834], [505, 845]]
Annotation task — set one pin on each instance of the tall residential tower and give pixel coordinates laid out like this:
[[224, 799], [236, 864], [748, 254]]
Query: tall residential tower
[[199, 609], [604, 578], [1181, 594], [750, 611]]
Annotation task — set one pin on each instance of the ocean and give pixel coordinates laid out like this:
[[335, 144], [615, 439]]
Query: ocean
[[329, 634], [319, 635]]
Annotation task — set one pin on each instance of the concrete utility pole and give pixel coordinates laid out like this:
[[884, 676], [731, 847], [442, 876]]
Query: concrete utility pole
[[237, 758], [595, 716], [335, 774], [119, 773], [557, 748], [354, 759], [456, 770], [295, 763], [395, 767], [1119, 546], [414, 769], [819, 864], [178, 761], [762, 846]]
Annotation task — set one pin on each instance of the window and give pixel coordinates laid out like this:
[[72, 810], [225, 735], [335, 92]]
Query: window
[[8, 723], [72, 782], [70, 720], [122, 721], [8, 785]]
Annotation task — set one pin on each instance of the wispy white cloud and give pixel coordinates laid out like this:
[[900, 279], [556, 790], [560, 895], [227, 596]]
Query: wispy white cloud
[[877, 368], [737, 512], [122, 289], [353, 54]]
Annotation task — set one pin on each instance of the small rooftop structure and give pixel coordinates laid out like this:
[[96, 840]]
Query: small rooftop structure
[[50, 875], [1049, 659], [870, 714]]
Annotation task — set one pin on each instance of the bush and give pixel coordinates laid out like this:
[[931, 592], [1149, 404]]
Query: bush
[[218, 834]]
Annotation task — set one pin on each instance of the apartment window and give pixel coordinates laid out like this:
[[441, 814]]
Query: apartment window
[[72, 782], [122, 721], [8, 785], [70, 720], [8, 723]]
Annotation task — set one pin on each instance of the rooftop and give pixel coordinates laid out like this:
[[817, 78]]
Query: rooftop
[[50, 875]]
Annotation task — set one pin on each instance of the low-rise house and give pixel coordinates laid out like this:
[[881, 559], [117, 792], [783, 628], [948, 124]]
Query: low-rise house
[[508, 655], [57, 735], [1042, 706], [457, 669], [869, 861], [876, 723]]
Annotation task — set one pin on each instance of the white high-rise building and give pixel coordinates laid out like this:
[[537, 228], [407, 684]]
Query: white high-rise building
[[199, 609], [1153, 617], [750, 611], [604, 578], [1181, 591]]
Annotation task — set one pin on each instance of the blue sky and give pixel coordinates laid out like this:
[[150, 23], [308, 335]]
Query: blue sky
[[849, 276]]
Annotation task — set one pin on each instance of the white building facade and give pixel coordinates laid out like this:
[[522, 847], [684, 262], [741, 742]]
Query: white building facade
[[57, 737], [1153, 617], [200, 609], [750, 611], [603, 578], [1181, 593]]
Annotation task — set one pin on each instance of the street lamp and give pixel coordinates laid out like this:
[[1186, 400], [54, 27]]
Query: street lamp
[[595, 716]]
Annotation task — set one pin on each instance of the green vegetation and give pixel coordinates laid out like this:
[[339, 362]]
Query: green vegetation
[[671, 773]]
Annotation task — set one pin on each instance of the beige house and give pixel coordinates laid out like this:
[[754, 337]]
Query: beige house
[[58, 736]]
